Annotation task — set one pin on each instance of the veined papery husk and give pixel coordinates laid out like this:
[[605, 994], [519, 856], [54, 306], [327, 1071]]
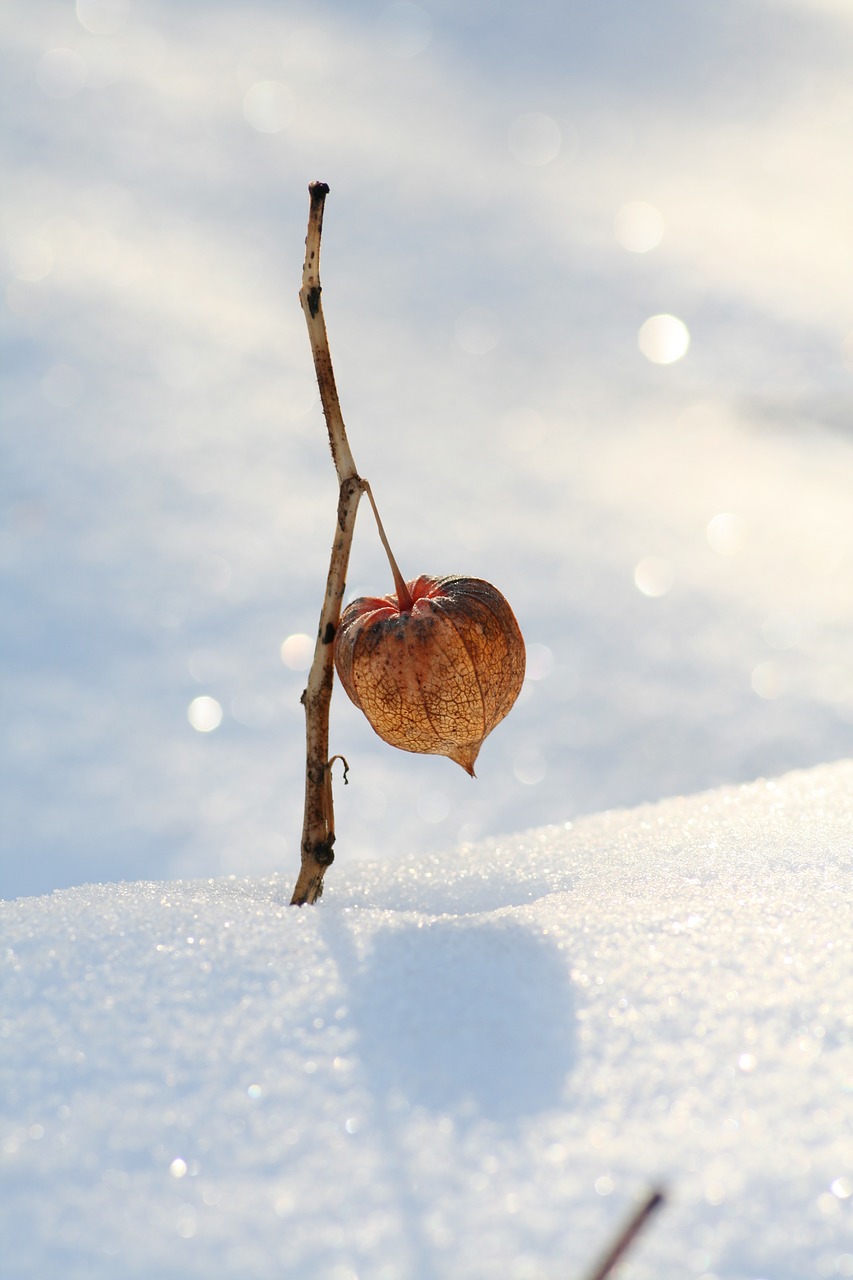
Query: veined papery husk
[[437, 678]]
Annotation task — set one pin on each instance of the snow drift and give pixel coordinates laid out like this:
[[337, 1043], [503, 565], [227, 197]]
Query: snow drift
[[464, 1066]]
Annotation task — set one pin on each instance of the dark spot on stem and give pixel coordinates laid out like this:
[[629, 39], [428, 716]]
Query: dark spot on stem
[[329, 633], [322, 852], [313, 300]]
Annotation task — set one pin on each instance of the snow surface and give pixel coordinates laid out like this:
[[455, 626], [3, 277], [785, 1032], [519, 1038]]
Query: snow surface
[[459, 1066]]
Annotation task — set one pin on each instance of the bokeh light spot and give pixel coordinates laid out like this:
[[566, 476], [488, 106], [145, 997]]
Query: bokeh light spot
[[827, 1204], [297, 652], [405, 29], [638, 226], [204, 714], [534, 138], [540, 662], [663, 339], [477, 331], [31, 259], [725, 533], [178, 1167], [768, 680], [61, 73], [653, 576], [268, 106]]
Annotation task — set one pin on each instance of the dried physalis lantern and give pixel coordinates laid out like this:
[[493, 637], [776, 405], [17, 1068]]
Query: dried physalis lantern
[[435, 666]]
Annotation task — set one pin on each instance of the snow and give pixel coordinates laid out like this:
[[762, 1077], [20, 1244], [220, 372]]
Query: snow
[[465, 1065], [483, 1045]]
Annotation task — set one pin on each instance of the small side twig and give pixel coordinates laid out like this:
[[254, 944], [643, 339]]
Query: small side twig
[[627, 1235], [318, 830]]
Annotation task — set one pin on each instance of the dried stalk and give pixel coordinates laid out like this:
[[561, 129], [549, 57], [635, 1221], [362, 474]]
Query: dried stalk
[[318, 830], [627, 1235]]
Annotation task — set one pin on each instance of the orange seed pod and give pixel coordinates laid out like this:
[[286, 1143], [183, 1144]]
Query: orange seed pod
[[438, 674]]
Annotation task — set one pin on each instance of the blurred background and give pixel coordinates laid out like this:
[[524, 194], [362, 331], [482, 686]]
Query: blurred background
[[587, 278]]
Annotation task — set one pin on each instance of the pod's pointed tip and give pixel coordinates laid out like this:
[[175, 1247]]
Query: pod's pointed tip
[[466, 758]]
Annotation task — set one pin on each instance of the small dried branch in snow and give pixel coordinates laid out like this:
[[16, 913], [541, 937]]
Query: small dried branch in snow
[[623, 1241]]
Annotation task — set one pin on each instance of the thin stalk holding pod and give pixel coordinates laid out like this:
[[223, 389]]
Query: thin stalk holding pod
[[404, 599]]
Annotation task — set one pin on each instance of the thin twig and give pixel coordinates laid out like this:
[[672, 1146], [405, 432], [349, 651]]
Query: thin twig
[[404, 600], [318, 830], [626, 1236]]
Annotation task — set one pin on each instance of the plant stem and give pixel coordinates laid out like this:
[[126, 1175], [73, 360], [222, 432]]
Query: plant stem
[[318, 830]]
